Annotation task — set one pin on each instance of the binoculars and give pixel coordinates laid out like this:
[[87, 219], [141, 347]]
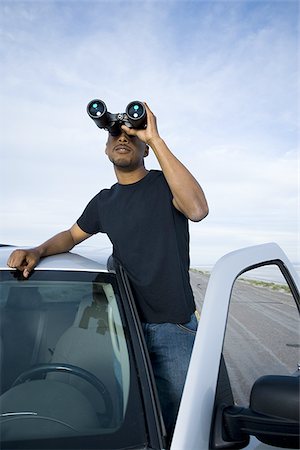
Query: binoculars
[[134, 117]]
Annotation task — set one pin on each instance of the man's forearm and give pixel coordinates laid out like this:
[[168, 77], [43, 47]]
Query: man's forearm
[[26, 260], [188, 195], [60, 243]]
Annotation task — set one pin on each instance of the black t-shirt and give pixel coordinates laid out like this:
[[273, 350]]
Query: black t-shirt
[[150, 238]]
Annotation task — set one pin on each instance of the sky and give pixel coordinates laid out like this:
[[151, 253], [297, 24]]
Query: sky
[[221, 78]]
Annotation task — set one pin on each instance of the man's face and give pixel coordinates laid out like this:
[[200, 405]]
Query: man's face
[[126, 152]]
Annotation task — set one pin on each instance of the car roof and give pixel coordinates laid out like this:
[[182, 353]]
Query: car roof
[[73, 261]]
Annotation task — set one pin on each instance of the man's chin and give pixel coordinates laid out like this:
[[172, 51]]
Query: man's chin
[[123, 165]]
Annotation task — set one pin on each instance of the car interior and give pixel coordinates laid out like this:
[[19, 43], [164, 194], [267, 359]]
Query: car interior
[[64, 359]]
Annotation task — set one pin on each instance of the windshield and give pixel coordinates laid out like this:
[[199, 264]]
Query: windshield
[[66, 364]]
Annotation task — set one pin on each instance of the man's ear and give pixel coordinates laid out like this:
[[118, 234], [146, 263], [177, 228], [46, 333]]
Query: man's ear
[[146, 153]]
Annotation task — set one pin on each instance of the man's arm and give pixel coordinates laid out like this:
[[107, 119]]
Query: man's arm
[[27, 260], [188, 196]]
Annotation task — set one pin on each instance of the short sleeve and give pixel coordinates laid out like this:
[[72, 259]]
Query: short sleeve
[[89, 221]]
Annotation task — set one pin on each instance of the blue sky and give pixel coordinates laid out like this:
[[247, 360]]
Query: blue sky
[[221, 77]]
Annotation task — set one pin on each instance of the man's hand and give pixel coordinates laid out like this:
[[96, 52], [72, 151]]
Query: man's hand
[[24, 260], [148, 134]]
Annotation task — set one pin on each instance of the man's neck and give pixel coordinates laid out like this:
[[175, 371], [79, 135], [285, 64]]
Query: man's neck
[[130, 177]]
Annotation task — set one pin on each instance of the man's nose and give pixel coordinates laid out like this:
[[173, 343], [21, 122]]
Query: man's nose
[[123, 137]]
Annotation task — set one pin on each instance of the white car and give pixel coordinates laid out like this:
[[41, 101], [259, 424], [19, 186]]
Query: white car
[[75, 372]]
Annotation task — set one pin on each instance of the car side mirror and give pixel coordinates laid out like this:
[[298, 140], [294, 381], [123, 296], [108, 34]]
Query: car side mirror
[[277, 398], [272, 416]]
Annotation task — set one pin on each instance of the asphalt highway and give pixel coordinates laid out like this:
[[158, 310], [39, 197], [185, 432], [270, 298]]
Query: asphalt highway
[[262, 334]]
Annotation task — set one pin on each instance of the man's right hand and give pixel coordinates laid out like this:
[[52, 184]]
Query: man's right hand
[[24, 260]]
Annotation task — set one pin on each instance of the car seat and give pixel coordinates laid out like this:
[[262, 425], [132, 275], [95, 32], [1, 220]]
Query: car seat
[[88, 344]]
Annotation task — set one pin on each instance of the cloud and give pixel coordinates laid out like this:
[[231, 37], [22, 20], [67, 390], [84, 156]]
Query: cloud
[[253, 199], [220, 76]]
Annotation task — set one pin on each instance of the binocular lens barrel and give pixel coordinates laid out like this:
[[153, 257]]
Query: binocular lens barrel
[[97, 111], [135, 110], [136, 113], [96, 108]]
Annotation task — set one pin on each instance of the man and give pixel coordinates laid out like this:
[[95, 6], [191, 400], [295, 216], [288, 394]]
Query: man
[[145, 214]]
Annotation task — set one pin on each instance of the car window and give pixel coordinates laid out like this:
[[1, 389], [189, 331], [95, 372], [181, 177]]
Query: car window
[[65, 361], [262, 332]]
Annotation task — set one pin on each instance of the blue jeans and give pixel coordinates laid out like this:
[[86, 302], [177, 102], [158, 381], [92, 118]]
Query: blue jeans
[[170, 346]]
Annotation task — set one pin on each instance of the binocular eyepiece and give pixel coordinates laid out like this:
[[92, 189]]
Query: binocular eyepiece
[[134, 117]]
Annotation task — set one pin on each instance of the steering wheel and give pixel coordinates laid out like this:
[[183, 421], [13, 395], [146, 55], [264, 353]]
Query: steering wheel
[[40, 369]]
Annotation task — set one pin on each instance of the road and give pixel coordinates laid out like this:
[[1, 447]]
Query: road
[[262, 335]]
